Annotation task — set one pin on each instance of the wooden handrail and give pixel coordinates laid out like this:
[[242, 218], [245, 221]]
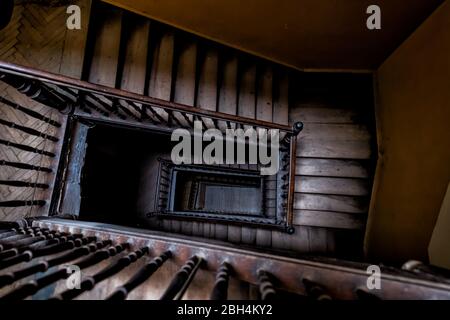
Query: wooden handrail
[[64, 81], [101, 104], [313, 277]]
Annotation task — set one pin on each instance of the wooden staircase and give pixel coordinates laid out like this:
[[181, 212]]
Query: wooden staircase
[[334, 182], [335, 154], [334, 167]]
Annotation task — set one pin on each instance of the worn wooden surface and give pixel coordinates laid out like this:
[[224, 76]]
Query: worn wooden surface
[[245, 108], [207, 99], [335, 158], [334, 152], [185, 94], [135, 57], [36, 37], [105, 58]]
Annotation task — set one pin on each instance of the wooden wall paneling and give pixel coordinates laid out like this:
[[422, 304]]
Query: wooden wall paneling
[[186, 69], [105, 58], [324, 202], [343, 149], [247, 89], [227, 100], [264, 111], [329, 219], [207, 82], [160, 83], [330, 140], [246, 108], [136, 52], [331, 242], [207, 99], [318, 240], [332, 168], [281, 96], [331, 131], [312, 113], [185, 74], [227, 103], [34, 37], [332, 185], [300, 239], [264, 100], [41, 37], [73, 55], [133, 72], [184, 93], [161, 75]]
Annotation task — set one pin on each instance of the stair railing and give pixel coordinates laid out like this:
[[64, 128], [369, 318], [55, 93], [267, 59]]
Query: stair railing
[[84, 100], [89, 244]]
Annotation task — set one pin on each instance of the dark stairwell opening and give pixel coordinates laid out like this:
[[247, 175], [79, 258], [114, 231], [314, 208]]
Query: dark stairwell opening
[[117, 165], [128, 178]]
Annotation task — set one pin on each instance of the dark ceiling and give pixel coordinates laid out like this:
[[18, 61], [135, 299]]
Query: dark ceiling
[[305, 34]]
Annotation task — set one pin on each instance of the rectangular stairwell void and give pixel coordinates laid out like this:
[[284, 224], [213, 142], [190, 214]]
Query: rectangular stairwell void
[[217, 191], [119, 165], [115, 142], [125, 176]]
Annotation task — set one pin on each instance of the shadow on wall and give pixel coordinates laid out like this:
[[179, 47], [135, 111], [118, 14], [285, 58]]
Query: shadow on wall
[[412, 118], [6, 11]]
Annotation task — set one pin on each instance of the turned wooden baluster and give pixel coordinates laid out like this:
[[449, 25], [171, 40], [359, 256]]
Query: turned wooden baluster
[[220, 290], [24, 184], [32, 287], [29, 112], [48, 237], [32, 238], [25, 166], [27, 148], [140, 277], [90, 282], [182, 279], [316, 291], [266, 288], [38, 92], [42, 266], [28, 130]]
